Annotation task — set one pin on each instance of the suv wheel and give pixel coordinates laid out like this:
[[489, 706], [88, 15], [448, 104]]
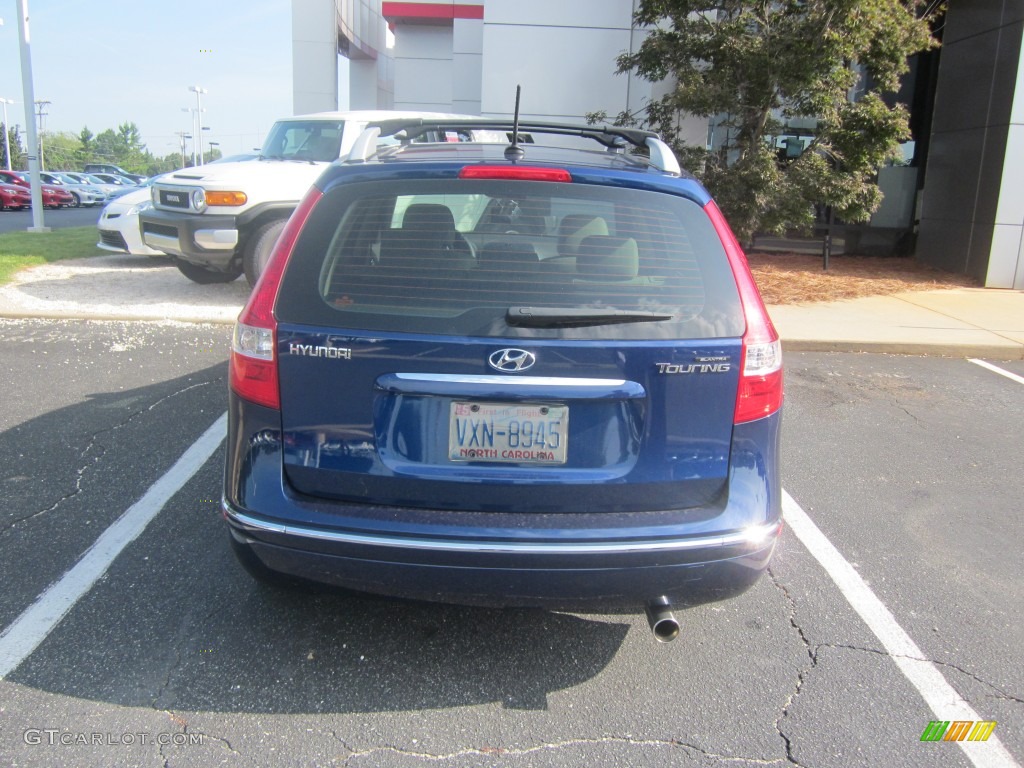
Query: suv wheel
[[257, 250], [204, 276]]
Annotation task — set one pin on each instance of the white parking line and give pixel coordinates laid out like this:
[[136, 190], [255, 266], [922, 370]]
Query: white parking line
[[940, 696], [997, 369], [39, 619]]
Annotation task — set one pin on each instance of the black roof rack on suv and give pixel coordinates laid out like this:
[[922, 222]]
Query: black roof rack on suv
[[610, 136]]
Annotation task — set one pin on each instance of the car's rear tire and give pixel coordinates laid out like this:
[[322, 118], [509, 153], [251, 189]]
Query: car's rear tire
[[205, 276], [257, 250]]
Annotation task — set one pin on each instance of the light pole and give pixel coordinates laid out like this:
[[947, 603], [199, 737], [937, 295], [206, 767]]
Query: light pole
[[182, 135], [213, 144], [195, 133], [7, 133], [198, 91], [28, 90], [41, 104]]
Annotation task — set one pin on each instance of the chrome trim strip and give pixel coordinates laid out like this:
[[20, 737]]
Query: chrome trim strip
[[754, 536], [511, 381], [223, 239]]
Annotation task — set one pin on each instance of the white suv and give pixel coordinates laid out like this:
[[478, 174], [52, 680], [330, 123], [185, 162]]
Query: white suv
[[223, 219]]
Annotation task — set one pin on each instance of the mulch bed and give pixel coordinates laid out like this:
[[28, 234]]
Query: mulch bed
[[794, 278]]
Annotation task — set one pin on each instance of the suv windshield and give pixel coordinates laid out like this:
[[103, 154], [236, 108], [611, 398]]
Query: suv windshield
[[316, 140], [500, 258]]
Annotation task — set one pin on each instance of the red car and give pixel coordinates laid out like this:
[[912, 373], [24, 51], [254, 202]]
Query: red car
[[53, 197], [14, 196]]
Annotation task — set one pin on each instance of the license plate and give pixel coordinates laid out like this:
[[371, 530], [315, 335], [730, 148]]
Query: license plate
[[512, 434]]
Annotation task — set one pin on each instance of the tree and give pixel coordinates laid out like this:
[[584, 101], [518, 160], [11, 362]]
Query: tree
[[85, 137], [60, 150], [19, 158], [761, 63]]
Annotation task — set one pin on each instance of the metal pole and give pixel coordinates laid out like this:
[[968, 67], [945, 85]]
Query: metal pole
[[30, 98], [42, 128], [7, 133], [199, 90]]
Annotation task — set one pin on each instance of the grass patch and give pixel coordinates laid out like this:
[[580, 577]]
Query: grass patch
[[26, 249]]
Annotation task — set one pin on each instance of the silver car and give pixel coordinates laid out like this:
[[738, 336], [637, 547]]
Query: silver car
[[85, 195], [111, 190]]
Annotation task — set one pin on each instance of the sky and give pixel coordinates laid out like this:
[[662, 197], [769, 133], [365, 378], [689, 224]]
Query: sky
[[105, 62]]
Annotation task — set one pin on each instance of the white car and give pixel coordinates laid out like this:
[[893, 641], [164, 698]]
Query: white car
[[119, 224]]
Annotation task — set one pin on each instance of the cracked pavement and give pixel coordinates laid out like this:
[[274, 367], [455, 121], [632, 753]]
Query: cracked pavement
[[902, 462]]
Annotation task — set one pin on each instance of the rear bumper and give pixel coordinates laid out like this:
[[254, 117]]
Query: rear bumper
[[472, 558], [564, 580]]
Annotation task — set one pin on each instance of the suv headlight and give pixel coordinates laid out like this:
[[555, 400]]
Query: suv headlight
[[198, 199]]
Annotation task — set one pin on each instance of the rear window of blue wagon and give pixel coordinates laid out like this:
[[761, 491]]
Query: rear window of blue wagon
[[453, 257]]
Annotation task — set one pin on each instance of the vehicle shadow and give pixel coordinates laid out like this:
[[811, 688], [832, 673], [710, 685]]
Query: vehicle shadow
[[177, 624]]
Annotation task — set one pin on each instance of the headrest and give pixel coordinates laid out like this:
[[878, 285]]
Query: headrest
[[576, 226], [508, 256], [429, 216], [608, 258]]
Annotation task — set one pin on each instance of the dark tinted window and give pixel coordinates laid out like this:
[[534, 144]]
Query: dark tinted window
[[452, 257]]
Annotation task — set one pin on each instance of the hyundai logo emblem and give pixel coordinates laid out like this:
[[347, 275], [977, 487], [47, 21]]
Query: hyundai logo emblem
[[511, 360]]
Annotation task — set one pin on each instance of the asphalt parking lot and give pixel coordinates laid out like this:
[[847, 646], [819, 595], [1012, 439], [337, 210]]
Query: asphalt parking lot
[[171, 655], [15, 221]]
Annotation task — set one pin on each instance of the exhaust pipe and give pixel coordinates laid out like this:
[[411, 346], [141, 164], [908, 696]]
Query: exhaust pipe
[[663, 622]]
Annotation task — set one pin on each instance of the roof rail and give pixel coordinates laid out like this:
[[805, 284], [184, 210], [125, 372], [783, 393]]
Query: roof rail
[[407, 130]]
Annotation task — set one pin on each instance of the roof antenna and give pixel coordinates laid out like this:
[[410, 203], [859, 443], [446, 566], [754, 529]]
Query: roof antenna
[[514, 152]]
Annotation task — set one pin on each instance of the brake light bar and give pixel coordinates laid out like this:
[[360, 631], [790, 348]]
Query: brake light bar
[[516, 172]]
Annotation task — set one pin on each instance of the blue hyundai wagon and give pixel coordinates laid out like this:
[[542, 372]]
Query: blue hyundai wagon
[[527, 372]]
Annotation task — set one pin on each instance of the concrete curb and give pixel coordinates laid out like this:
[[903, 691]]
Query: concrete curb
[[108, 318], [1008, 351]]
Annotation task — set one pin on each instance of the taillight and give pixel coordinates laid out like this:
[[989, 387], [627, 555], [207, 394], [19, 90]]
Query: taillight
[[252, 373], [760, 390], [517, 172]]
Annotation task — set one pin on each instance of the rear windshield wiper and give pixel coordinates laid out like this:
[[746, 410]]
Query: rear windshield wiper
[[574, 317]]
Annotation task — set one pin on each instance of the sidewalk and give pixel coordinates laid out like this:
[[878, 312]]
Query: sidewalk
[[960, 322]]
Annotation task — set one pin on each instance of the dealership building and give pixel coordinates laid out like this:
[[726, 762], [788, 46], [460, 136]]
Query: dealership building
[[468, 57]]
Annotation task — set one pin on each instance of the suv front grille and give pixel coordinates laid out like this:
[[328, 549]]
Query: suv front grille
[[174, 198]]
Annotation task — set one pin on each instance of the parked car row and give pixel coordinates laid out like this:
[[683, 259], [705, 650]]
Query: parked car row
[[53, 196], [63, 189]]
